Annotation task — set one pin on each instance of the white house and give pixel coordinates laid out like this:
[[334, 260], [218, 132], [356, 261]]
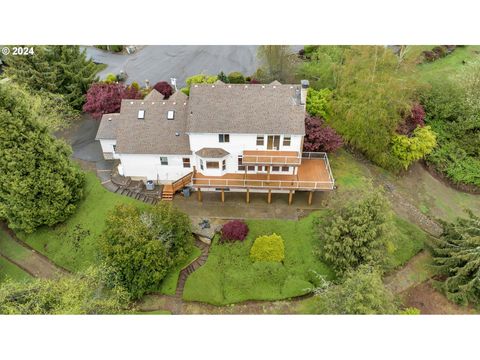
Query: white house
[[222, 137]]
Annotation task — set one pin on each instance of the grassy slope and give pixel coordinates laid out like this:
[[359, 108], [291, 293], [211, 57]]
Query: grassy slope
[[59, 242], [169, 283], [12, 271], [229, 276]]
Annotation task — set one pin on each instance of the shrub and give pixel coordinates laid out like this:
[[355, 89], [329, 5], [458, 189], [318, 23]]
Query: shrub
[[319, 136], [234, 230], [121, 77], [254, 81], [110, 78], [135, 85], [413, 120], [236, 78], [410, 149], [164, 88], [222, 77], [268, 248], [317, 102]]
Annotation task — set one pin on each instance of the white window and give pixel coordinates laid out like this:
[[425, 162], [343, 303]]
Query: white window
[[275, 168], [201, 164], [186, 162], [163, 160], [141, 114], [224, 165], [171, 114], [285, 168], [212, 165], [287, 140], [114, 147], [260, 140], [224, 138]]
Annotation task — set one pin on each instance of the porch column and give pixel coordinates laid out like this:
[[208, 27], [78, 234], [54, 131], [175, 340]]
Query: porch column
[[269, 197], [199, 194], [223, 195], [248, 196], [290, 197], [310, 197], [268, 172]]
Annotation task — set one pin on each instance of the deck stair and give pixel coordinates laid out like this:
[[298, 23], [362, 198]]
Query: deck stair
[[169, 190]]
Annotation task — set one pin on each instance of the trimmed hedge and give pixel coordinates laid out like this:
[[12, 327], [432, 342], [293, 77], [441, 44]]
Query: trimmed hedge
[[268, 248]]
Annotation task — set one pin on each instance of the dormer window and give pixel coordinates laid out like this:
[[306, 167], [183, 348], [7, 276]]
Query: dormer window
[[170, 114], [141, 114]]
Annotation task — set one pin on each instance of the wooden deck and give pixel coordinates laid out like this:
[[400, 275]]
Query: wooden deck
[[313, 174], [271, 157]]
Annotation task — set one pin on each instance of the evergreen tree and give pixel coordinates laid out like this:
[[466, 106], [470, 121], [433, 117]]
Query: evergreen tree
[[39, 185], [57, 69], [355, 235], [456, 255]]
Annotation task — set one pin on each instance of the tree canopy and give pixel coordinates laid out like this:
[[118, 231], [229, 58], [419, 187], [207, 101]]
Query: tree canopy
[[355, 234], [164, 88], [456, 256], [361, 292], [106, 98], [277, 62], [58, 69], [141, 246], [370, 100], [39, 184], [83, 293]]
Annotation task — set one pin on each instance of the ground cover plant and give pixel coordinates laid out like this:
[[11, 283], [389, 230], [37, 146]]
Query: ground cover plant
[[10, 271]]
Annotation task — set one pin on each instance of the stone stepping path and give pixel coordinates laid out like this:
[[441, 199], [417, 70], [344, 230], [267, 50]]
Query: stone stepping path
[[200, 261]]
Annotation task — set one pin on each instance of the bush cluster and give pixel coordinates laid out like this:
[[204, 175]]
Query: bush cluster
[[268, 248], [235, 230], [438, 52]]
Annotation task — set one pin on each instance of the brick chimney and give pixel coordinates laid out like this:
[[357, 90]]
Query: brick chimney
[[303, 92]]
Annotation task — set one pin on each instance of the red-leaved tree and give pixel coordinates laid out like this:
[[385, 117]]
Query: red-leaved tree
[[319, 136], [413, 120], [103, 98], [164, 88]]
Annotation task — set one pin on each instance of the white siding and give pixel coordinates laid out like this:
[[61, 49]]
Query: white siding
[[148, 167], [107, 147], [237, 144]]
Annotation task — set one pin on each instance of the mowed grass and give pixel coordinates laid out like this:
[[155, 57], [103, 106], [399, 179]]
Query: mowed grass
[[11, 271], [406, 240], [229, 276], [74, 244], [11, 248], [169, 283]]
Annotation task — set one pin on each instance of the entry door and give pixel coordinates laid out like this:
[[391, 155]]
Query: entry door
[[273, 142]]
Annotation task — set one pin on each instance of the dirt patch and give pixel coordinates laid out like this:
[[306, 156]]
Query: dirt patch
[[430, 301]]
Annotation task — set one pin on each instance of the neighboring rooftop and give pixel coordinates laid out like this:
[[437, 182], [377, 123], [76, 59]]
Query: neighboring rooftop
[[246, 108]]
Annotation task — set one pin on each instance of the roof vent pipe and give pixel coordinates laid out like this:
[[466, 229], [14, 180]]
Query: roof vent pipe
[[303, 92]]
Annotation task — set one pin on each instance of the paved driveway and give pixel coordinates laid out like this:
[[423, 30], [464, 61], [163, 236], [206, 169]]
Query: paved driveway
[[161, 62]]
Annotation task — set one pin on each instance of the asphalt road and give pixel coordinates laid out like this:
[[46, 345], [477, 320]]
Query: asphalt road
[[162, 62]]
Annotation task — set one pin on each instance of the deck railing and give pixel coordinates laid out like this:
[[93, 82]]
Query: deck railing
[[182, 182], [319, 155], [271, 159], [263, 184]]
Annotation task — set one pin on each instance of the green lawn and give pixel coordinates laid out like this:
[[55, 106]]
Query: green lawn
[[12, 249], [9, 270], [229, 276], [74, 243], [169, 283], [450, 64], [406, 241]]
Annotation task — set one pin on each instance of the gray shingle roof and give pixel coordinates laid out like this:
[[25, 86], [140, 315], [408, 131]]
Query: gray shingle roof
[[108, 127], [250, 109], [212, 152]]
